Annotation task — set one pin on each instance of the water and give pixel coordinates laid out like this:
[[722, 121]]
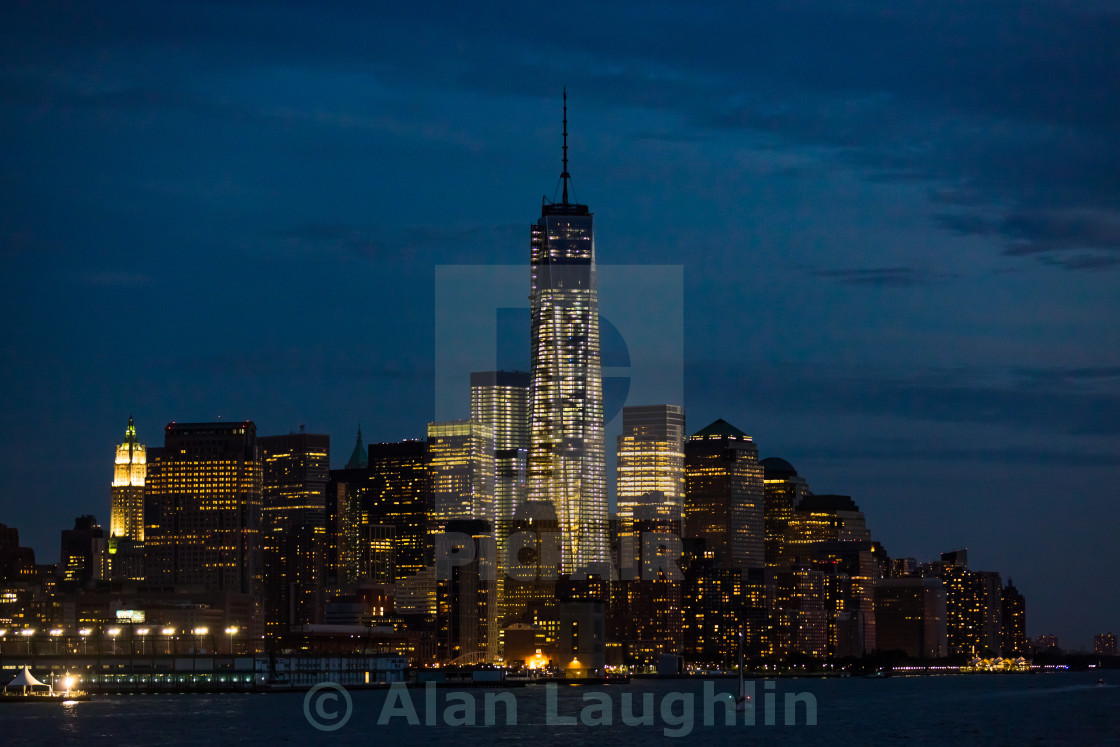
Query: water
[[962, 709]]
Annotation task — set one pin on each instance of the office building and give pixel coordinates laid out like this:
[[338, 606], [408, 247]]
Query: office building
[[650, 475], [1013, 629], [460, 473], [725, 495], [295, 470], [910, 617], [567, 459], [377, 515], [784, 490], [84, 552], [203, 510]]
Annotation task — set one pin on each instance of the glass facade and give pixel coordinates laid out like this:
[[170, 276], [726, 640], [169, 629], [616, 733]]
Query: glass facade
[[650, 474], [567, 459], [460, 472]]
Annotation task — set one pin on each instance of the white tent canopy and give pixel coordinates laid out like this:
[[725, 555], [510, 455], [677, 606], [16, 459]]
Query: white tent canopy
[[26, 679]]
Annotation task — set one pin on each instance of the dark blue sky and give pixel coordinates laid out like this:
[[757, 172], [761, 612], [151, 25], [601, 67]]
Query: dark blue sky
[[899, 228]]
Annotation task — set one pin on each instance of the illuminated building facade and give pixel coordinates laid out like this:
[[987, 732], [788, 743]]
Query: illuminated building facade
[[204, 506], [377, 515], [1013, 631], [129, 471], [500, 400], [823, 518], [784, 490], [295, 470], [650, 474], [567, 458], [724, 495], [797, 598], [713, 609], [1104, 644], [460, 472], [973, 604]]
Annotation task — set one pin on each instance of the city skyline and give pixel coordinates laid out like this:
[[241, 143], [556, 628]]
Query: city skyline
[[899, 276]]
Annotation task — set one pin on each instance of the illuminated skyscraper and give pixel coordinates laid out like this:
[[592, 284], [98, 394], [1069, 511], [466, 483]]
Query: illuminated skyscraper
[[377, 515], [724, 495], [293, 527], [567, 459], [650, 474], [127, 513], [460, 472], [204, 501], [500, 400], [784, 491]]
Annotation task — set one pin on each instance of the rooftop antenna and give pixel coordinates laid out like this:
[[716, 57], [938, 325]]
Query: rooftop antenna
[[565, 176]]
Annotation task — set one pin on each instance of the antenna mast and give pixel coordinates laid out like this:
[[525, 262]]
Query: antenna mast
[[565, 176]]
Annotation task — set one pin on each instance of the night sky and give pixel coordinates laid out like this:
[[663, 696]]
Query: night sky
[[897, 224]]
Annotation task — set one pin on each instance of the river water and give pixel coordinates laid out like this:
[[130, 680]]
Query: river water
[[1015, 709]]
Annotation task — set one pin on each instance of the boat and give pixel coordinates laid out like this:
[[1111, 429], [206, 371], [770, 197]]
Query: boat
[[742, 700], [25, 688], [1100, 680]]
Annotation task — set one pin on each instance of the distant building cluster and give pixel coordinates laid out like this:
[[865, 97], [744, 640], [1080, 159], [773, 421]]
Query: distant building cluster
[[491, 540]]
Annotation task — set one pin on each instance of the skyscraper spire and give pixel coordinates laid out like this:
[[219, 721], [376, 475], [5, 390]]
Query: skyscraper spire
[[564, 175], [359, 459]]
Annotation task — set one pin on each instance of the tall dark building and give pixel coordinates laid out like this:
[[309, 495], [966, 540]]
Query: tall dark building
[[293, 527], [725, 494], [203, 510], [910, 616], [567, 458], [1013, 631], [84, 550], [465, 594], [784, 489], [378, 516]]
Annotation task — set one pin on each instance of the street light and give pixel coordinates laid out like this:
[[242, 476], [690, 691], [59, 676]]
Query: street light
[[113, 633], [55, 633], [142, 632], [231, 631], [27, 633], [200, 633], [168, 633], [84, 633]]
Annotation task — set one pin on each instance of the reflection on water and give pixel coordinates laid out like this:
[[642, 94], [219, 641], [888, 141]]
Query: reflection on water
[[1019, 708]]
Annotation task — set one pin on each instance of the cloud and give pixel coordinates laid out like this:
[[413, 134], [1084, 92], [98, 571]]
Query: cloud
[[1050, 401], [1076, 239], [897, 277]]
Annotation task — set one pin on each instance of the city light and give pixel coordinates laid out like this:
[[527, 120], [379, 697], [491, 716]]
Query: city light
[[114, 632], [168, 631], [27, 632]]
